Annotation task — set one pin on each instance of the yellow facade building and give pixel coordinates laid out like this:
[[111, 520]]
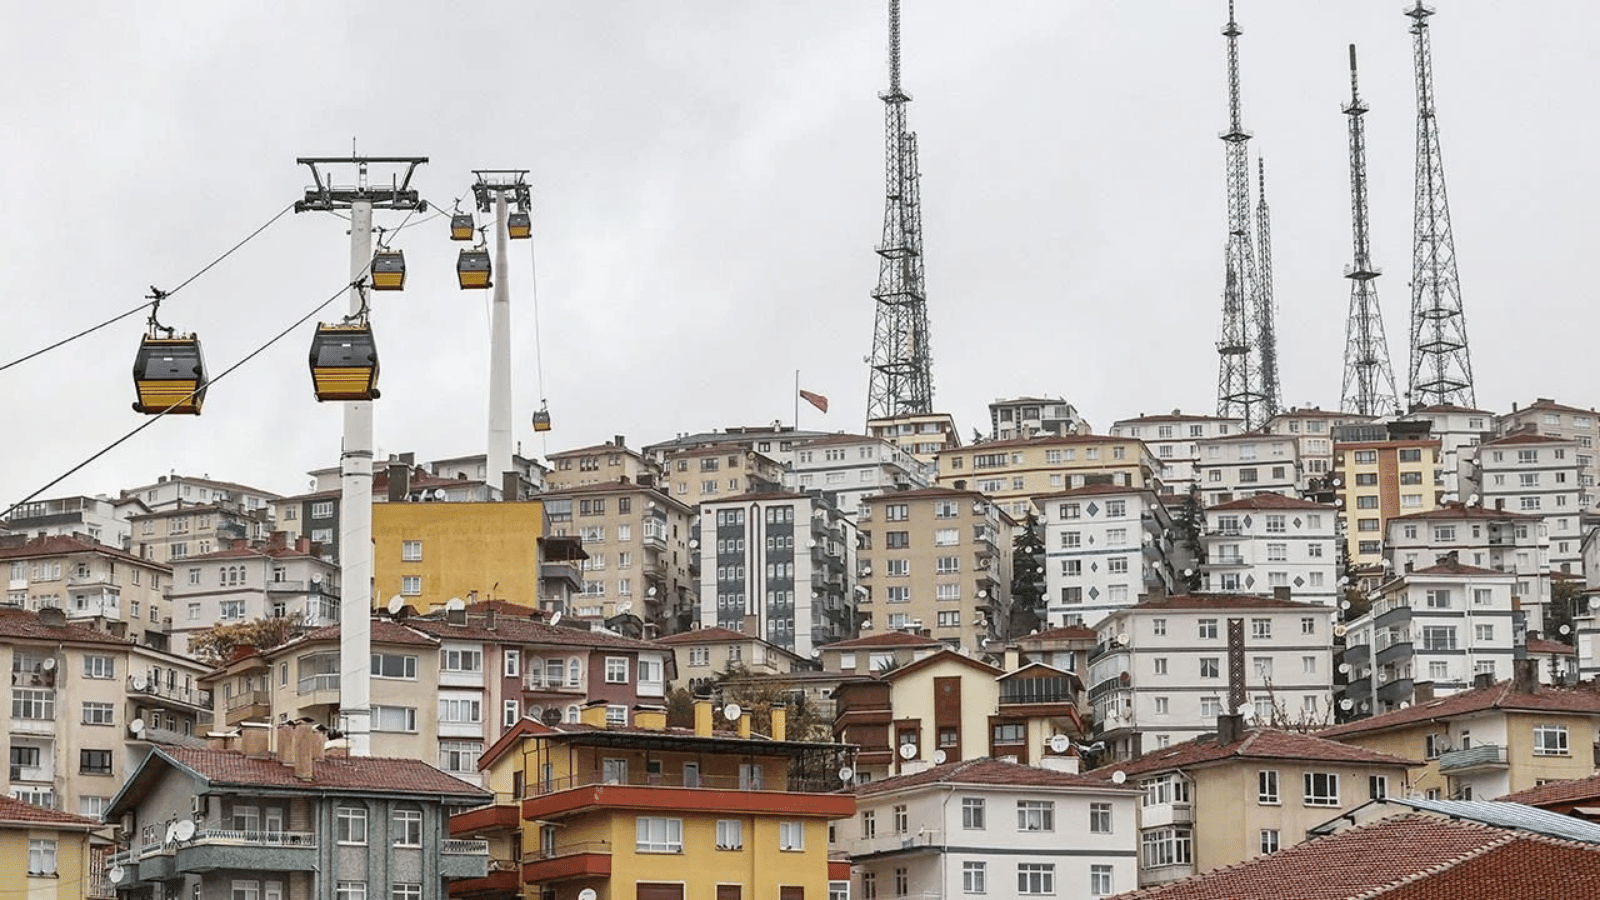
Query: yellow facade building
[[428, 553], [45, 855], [1378, 480], [1014, 471]]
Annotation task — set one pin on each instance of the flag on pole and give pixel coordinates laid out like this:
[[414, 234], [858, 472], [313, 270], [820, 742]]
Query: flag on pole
[[817, 400]]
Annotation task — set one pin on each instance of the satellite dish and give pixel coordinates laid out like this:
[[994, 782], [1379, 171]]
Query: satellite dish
[[1344, 604], [1344, 668], [555, 619], [587, 894], [651, 592], [1119, 777], [907, 751], [1566, 629], [1594, 602], [116, 874], [1405, 704], [1244, 709], [693, 543], [140, 682], [846, 773], [172, 833], [49, 664], [440, 495], [455, 604], [136, 726], [1339, 630], [183, 829], [1472, 500], [1188, 573], [624, 609], [816, 653], [1122, 638], [1249, 715], [984, 594], [811, 543], [939, 757], [1058, 743], [396, 603], [731, 712], [1347, 704]]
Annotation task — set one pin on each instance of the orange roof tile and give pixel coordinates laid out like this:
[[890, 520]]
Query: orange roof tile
[[1064, 633], [1527, 437], [1582, 701], [15, 812], [1270, 501], [987, 771], [1541, 645], [1222, 601], [715, 635], [353, 773], [1554, 792], [1257, 743], [1454, 510], [23, 624], [63, 544], [1456, 568], [886, 639]]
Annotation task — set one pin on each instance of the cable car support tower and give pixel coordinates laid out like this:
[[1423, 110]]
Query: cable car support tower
[[1441, 367], [1368, 377], [901, 379], [355, 457], [491, 190]]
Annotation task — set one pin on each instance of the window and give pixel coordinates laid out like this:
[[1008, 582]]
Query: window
[[791, 835], [1549, 740], [410, 551], [902, 820], [730, 834], [99, 714], [94, 762], [654, 834], [1160, 664], [1036, 878], [1036, 815], [352, 825], [1099, 818], [1261, 628], [410, 586], [616, 670], [946, 537], [1208, 629], [351, 890], [1009, 733], [1269, 840], [394, 718], [1322, 789], [869, 824], [455, 660], [99, 667], [1377, 787], [390, 665], [974, 878], [1267, 787], [972, 813], [1163, 706], [232, 609], [399, 892], [322, 509], [1100, 880], [1438, 637], [408, 828], [41, 857], [33, 704], [1210, 667], [465, 710]]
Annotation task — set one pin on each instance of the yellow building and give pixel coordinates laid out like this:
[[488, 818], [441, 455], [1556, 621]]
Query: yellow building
[[714, 471], [658, 813], [923, 435], [1378, 480], [430, 552], [45, 855], [1012, 472], [600, 464]]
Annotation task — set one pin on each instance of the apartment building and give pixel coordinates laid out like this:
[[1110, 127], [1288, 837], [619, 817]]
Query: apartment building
[[179, 531], [850, 467], [639, 555], [84, 706], [1490, 741], [600, 464], [1105, 546], [530, 474], [1028, 416], [1054, 832], [1547, 417], [1536, 474], [1014, 472], [1174, 440], [92, 583], [938, 558], [49, 855], [1312, 428], [780, 566], [102, 519], [702, 655], [1161, 673], [1066, 648], [661, 813], [1378, 480], [1272, 541], [1444, 625], [1459, 430], [877, 652], [429, 553], [923, 435], [1485, 537], [169, 491], [295, 820], [714, 471], [1260, 790], [278, 579], [776, 441], [1240, 465]]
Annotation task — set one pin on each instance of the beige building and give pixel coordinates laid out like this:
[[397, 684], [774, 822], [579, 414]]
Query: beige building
[[1242, 465], [1173, 439], [95, 584], [923, 435], [49, 855], [703, 654], [850, 467], [715, 471], [1459, 430], [1547, 417], [180, 531], [937, 559], [1224, 798], [1312, 429], [637, 539], [600, 464], [282, 578], [877, 652], [1015, 471], [1027, 416], [170, 491], [1379, 480], [103, 519]]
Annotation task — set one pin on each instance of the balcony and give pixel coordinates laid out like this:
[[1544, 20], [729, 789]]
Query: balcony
[[319, 689], [1484, 757], [248, 705], [1225, 559], [577, 859], [503, 880], [534, 682], [147, 688], [1355, 654], [565, 572], [1396, 691], [464, 858], [654, 540], [1395, 652], [502, 815], [268, 851], [1055, 689], [1162, 814], [722, 793]]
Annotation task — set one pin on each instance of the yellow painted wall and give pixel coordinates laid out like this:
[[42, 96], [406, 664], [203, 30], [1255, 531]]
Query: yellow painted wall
[[760, 867], [913, 698], [465, 547], [72, 865]]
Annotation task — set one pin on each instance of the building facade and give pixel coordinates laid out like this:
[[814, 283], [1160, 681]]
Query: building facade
[[1535, 474], [600, 464], [1027, 416], [1174, 439], [95, 584], [1459, 430], [1312, 428], [1014, 472], [50, 855], [1485, 537], [712, 471], [428, 553], [1547, 417], [1242, 465], [850, 467], [923, 435], [1378, 480], [102, 519], [1106, 545], [279, 579], [1271, 541], [640, 559]]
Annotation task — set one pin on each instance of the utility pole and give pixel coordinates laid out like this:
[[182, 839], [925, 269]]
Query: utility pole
[[490, 191], [1368, 377], [1441, 367], [1239, 377], [355, 457]]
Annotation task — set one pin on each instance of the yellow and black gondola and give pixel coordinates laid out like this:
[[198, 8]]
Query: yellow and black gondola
[[388, 270], [519, 225], [472, 268], [461, 227], [344, 362], [169, 376], [541, 418]]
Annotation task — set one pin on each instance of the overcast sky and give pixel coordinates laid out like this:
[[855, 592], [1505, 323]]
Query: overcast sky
[[708, 179]]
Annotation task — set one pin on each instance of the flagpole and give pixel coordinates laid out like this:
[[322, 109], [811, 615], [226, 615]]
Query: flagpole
[[797, 400]]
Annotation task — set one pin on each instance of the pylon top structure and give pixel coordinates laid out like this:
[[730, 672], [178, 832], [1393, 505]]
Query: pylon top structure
[[1368, 377]]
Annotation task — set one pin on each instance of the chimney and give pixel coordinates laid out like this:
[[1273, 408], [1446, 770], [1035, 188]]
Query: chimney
[[1012, 659], [410, 459], [1525, 676], [488, 618], [651, 717], [1482, 680], [222, 740], [510, 487], [744, 724], [624, 480], [618, 440], [780, 722], [1059, 763], [1422, 692], [307, 745], [751, 627], [278, 540], [593, 714], [1282, 592], [1230, 729], [399, 481], [255, 739], [702, 717], [960, 484]]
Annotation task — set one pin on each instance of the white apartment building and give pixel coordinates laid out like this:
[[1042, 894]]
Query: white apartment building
[[779, 566], [100, 518], [94, 584], [1537, 474], [1547, 417], [281, 579], [1269, 541], [852, 466], [1483, 537], [1312, 429], [1160, 675], [1458, 429], [1444, 624], [984, 827], [1022, 417], [1174, 441], [1240, 465], [1105, 546], [171, 491]]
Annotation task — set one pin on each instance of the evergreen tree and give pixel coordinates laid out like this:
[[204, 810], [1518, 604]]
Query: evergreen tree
[[1190, 524], [1027, 583]]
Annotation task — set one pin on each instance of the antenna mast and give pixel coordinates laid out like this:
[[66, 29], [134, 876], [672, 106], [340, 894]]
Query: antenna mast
[[1368, 377], [1441, 367], [1267, 306], [1239, 387], [901, 380]]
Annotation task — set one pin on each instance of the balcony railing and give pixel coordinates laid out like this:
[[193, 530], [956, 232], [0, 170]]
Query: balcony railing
[[1479, 757], [468, 847], [1056, 689], [248, 698], [258, 838], [677, 780], [153, 687], [328, 681]]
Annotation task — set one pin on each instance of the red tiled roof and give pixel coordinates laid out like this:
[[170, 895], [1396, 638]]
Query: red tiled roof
[[1175, 416], [23, 624], [1222, 601], [1046, 440], [986, 771], [595, 448], [15, 812], [1091, 490], [384, 631], [1580, 701], [252, 553], [886, 639], [512, 630], [889, 496], [314, 495], [1455, 568], [1270, 501], [1064, 633], [1455, 510], [715, 635], [827, 440], [1258, 743], [351, 773], [1541, 645], [1545, 404], [933, 659], [63, 544], [190, 479], [1450, 408], [1553, 792], [1408, 857], [1527, 437]]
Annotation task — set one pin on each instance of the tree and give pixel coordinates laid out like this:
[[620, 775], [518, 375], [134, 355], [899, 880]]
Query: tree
[[216, 645], [1027, 610], [680, 708], [1563, 596], [757, 694], [1190, 523]]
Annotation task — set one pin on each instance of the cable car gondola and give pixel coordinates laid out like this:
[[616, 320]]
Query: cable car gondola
[[519, 225], [461, 227], [388, 270], [541, 418], [344, 362], [472, 268], [169, 374]]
